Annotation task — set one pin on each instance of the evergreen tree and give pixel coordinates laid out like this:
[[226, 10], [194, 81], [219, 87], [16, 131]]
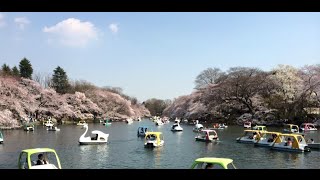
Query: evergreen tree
[[25, 68], [60, 81], [15, 71], [6, 69]]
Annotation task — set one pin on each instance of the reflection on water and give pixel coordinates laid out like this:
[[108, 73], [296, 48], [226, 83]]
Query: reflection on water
[[125, 150]]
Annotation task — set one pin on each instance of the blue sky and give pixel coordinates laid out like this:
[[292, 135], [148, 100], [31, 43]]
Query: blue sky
[[156, 55]]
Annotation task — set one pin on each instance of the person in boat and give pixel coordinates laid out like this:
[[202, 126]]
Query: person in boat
[[254, 136], [310, 141], [95, 138], [209, 166], [41, 160], [289, 142]]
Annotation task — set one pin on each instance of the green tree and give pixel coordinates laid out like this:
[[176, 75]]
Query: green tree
[[15, 71], [155, 106], [6, 70], [60, 81], [25, 68]]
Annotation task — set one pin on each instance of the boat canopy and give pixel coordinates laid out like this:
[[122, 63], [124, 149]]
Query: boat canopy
[[28, 152], [97, 132], [295, 139], [222, 161]]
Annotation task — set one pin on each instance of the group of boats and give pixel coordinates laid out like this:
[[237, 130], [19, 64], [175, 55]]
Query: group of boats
[[288, 140], [27, 160]]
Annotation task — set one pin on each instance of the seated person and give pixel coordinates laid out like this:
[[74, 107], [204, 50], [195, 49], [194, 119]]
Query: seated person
[[209, 166], [41, 160], [289, 142], [95, 138]]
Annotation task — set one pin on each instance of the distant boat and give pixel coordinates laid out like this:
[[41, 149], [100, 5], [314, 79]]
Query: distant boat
[[53, 128], [308, 127], [1, 137], [28, 127], [81, 123], [291, 128], [247, 125]]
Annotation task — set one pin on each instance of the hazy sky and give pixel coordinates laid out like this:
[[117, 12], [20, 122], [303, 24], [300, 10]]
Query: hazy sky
[[156, 55]]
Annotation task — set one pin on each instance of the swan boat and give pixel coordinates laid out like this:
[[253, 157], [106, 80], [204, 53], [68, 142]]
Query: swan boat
[[198, 127], [176, 126], [98, 138]]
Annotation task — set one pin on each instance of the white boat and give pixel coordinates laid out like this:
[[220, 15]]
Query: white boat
[[1, 137], [48, 123], [291, 142], [98, 138], [153, 139], [308, 127], [81, 123], [291, 128], [247, 125], [198, 127], [129, 121], [250, 136], [52, 128], [207, 135], [176, 126], [28, 127], [139, 118], [159, 122], [267, 139]]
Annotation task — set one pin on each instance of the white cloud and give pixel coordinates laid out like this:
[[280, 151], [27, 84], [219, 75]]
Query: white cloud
[[22, 22], [2, 21], [114, 28], [72, 32]]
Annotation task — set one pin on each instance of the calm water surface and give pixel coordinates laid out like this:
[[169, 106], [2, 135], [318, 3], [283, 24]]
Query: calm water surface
[[125, 150]]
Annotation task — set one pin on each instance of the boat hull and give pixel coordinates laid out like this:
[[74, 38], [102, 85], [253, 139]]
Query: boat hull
[[206, 140], [314, 145], [93, 143]]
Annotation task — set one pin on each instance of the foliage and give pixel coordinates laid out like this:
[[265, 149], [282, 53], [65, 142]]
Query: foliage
[[26, 69], [60, 81]]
